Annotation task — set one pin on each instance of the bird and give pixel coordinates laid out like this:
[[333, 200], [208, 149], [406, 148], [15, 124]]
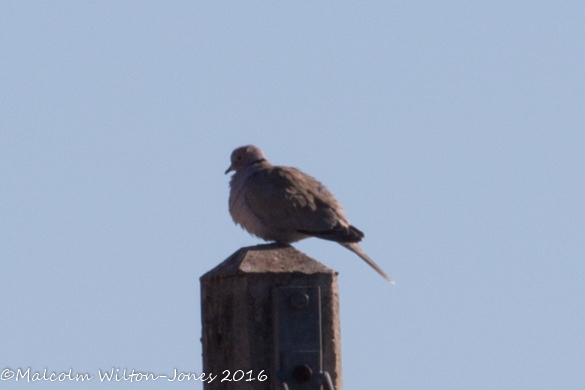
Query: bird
[[285, 205]]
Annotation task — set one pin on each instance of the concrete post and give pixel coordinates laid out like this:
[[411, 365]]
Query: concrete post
[[245, 321]]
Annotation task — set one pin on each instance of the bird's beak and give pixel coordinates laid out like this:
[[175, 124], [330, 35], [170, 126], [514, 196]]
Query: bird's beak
[[231, 168]]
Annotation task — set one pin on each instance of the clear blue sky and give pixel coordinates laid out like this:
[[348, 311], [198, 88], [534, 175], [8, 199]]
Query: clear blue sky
[[452, 132]]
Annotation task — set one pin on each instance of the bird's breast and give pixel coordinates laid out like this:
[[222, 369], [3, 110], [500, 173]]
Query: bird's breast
[[240, 210]]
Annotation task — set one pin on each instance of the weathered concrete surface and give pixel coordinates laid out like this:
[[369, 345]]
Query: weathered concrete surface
[[237, 313]]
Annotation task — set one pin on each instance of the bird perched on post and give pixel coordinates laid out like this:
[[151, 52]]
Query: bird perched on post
[[285, 205]]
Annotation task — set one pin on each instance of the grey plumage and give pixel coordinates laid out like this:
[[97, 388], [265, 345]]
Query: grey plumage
[[285, 205]]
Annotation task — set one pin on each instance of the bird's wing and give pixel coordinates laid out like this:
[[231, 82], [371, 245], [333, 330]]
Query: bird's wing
[[289, 200]]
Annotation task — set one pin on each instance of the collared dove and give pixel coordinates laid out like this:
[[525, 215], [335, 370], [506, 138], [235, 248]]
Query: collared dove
[[285, 205]]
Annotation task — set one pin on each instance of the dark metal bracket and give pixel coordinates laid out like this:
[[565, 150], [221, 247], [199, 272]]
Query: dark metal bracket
[[297, 335]]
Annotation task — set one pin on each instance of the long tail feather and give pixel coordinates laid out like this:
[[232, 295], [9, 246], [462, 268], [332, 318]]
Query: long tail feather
[[355, 248]]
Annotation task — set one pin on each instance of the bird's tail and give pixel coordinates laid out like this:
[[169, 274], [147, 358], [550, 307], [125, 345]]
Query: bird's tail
[[355, 248]]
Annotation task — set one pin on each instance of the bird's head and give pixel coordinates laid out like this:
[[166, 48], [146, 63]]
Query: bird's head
[[244, 156]]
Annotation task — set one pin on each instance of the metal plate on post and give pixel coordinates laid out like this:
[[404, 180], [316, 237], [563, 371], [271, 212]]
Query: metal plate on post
[[298, 355]]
